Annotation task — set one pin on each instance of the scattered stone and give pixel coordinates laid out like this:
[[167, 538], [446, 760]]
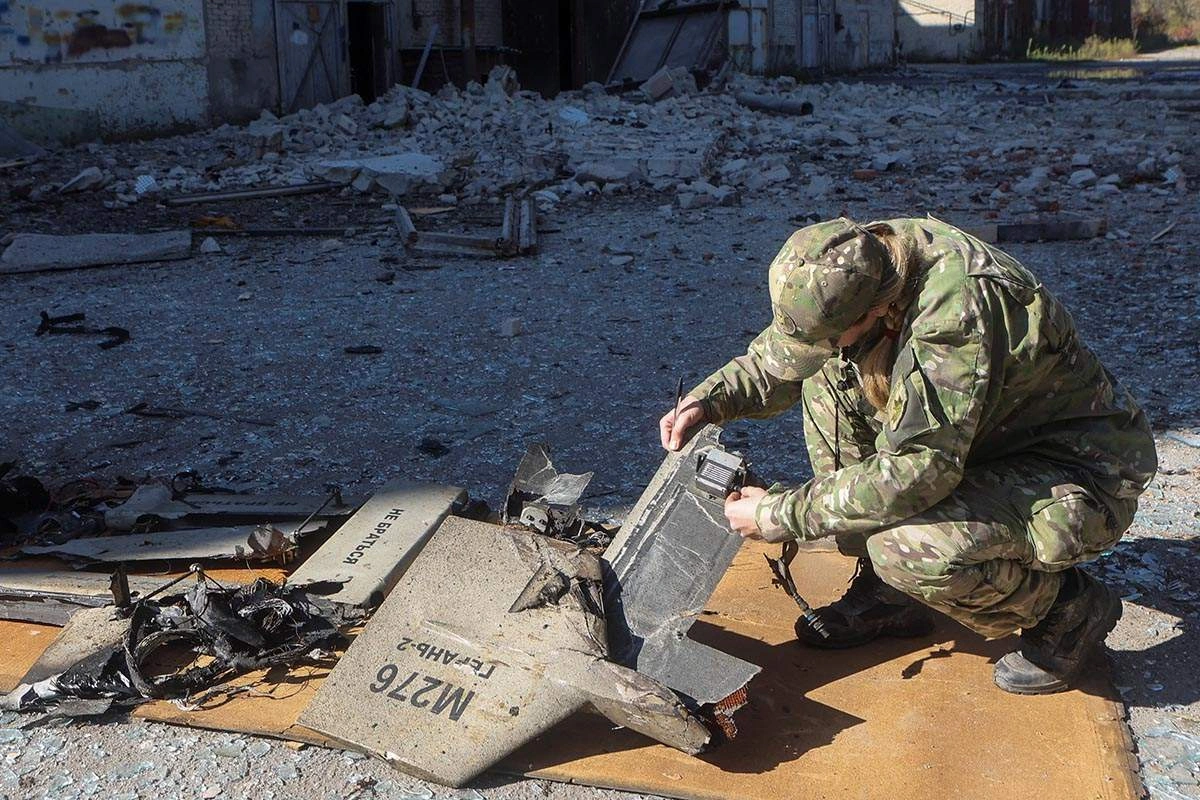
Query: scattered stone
[[612, 170], [501, 84], [397, 116], [209, 246], [1036, 181], [573, 116], [1082, 177], [86, 181], [510, 327], [882, 162], [845, 137], [819, 185], [620, 261], [775, 174], [669, 82], [396, 174]]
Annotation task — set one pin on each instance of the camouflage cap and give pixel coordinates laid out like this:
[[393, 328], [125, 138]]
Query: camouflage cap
[[823, 281]]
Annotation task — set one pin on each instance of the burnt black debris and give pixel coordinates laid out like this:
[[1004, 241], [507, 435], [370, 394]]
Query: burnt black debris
[[238, 630]]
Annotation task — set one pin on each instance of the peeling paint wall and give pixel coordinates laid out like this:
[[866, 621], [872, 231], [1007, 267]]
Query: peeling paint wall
[[76, 69], [84, 31]]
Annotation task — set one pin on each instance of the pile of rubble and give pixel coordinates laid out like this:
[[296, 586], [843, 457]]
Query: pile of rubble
[[741, 134]]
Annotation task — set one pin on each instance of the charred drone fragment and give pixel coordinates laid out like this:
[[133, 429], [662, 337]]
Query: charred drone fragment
[[492, 636], [664, 565], [223, 632], [546, 501]]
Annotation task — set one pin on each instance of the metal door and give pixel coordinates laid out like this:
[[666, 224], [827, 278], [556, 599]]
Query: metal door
[[311, 43]]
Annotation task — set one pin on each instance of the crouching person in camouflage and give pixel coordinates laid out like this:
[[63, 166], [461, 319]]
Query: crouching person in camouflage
[[968, 449]]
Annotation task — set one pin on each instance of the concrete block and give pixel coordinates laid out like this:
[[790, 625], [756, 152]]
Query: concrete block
[[30, 252], [616, 169], [396, 173], [674, 166], [87, 180], [659, 85], [1082, 177]]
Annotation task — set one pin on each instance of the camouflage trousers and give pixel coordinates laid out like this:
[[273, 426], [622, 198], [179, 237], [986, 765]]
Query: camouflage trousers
[[991, 554]]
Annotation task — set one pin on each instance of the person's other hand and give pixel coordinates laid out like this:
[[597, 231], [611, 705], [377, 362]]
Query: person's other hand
[[674, 431], [739, 510]]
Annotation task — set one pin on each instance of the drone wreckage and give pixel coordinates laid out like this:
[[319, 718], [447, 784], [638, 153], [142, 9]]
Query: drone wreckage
[[471, 637]]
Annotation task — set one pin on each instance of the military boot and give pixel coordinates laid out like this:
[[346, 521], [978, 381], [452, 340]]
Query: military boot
[[1055, 650], [869, 608]]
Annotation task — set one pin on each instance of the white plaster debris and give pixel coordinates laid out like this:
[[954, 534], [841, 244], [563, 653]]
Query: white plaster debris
[[483, 142]]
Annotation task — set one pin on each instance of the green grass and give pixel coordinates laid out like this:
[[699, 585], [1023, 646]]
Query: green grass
[[1094, 48]]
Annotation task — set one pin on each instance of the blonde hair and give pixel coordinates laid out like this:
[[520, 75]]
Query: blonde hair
[[895, 294]]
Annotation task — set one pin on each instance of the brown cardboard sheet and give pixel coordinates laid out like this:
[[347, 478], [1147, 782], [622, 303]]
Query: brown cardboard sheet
[[23, 645], [897, 719]]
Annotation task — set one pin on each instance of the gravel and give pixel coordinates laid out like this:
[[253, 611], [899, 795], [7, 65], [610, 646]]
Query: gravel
[[629, 292]]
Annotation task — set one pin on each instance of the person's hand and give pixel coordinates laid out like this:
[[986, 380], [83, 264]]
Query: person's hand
[[674, 431], [739, 510]]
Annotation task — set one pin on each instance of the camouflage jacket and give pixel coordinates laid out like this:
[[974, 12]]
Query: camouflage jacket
[[988, 366]]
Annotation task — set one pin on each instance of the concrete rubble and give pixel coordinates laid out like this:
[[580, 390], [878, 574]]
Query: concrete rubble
[[30, 252], [704, 147]]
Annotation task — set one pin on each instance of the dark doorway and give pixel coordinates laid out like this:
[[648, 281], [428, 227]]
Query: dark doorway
[[563, 44], [368, 36], [567, 79]]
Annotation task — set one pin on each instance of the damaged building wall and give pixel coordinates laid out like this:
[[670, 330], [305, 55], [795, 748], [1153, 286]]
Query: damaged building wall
[[417, 21], [864, 34], [557, 45], [242, 72], [72, 69], [789, 37], [946, 30], [1074, 20]]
